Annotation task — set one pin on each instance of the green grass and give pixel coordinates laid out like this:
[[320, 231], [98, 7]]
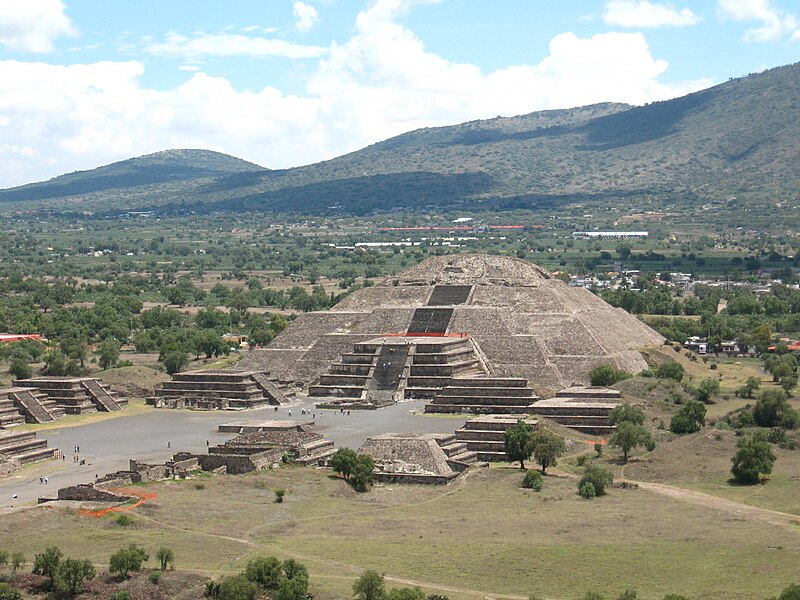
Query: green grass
[[483, 535]]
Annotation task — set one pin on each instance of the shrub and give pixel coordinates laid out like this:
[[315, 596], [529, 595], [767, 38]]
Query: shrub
[[689, 418], [706, 389], [598, 448], [120, 595], [154, 577], [772, 410], [9, 593], [237, 588], [533, 480], [670, 370], [599, 477], [126, 560], [581, 460], [586, 490], [753, 459], [607, 375], [279, 494], [124, 520], [165, 556]]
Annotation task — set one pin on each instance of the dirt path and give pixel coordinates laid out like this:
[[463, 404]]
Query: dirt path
[[746, 511]]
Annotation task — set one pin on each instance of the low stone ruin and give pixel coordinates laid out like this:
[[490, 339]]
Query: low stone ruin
[[20, 448], [583, 408], [68, 395], [264, 443], [218, 389], [25, 405], [417, 458], [484, 436]]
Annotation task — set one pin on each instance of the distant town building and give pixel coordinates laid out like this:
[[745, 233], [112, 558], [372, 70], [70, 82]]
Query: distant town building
[[610, 234]]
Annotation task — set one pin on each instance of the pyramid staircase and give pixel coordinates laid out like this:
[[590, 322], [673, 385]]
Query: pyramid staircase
[[484, 436], [459, 456], [583, 408], [32, 405], [449, 295], [24, 446], [216, 389], [437, 362], [75, 395], [315, 453], [484, 395]]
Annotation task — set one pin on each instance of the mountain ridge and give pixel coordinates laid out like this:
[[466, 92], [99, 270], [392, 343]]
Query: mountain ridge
[[741, 137]]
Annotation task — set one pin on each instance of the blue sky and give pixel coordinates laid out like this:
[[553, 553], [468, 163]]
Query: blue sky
[[288, 82]]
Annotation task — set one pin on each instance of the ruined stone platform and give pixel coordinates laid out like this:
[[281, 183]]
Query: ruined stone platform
[[583, 408], [485, 435], [23, 447], [417, 458], [73, 395], [218, 389]]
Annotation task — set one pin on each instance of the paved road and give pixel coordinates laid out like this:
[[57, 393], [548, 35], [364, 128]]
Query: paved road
[[106, 446]]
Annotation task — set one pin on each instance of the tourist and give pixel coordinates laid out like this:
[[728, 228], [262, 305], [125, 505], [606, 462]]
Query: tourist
[[169, 444]]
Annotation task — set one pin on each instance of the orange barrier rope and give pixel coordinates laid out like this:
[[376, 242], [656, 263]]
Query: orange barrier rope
[[101, 512]]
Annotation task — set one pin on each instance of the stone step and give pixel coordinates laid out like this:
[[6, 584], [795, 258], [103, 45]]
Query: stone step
[[466, 457], [358, 359], [316, 444], [335, 391], [477, 409], [10, 437], [351, 380], [100, 396], [273, 394], [492, 456], [35, 455], [443, 370], [457, 388], [23, 446], [445, 398], [486, 446], [480, 434], [444, 440], [439, 358], [418, 392], [345, 369], [454, 448], [319, 458], [583, 410]]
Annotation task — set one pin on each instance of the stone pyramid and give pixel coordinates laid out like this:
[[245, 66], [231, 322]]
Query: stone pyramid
[[521, 322]]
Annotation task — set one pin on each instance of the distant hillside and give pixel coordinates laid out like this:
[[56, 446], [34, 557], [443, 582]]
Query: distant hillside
[[159, 167], [739, 138]]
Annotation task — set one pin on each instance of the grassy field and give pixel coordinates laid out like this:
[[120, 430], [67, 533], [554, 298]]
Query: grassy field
[[482, 535]]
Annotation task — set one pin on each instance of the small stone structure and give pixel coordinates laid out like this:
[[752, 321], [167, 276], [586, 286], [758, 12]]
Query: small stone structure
[[71, 395], [488, 395], [103, 488], [485, 435], [583, 408], [218, 389], [264, 443], [22, 447], [27, 405], [417, 458]]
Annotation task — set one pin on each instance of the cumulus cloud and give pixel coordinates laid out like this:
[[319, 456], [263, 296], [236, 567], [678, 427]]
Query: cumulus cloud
[[775, 22], [306, 16], [642, 13], [379, 83], [33, 25], [228, 44]]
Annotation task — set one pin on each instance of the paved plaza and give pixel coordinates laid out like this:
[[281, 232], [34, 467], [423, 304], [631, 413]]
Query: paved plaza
[[106, 446]]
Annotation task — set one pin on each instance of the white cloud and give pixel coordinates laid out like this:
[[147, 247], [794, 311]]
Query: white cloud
[[227, 44], [775, 22], [642, 13], [33, 25], [380, 83], [306, 16]]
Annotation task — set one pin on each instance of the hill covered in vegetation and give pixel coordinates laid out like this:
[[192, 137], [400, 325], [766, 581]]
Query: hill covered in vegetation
[[738, 142]]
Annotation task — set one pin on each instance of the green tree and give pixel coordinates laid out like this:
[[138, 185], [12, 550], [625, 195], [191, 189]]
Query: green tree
[[606, 375], [363, 474], [406, 593], [670, 370], [751, 385], [689, 418], [237, 587], [175, 361], [706, 389], [790, 593], [628, 436], [370, 586], [533, 480], [127, 560], [753, 458], [20, 369], [17, 560], [626, 413], [72, 572], [773, 410], [47, 563], [546, 448], [518, 442], [264, 572], [599, 477], [165, 556], [344, 461], [109, 353]]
